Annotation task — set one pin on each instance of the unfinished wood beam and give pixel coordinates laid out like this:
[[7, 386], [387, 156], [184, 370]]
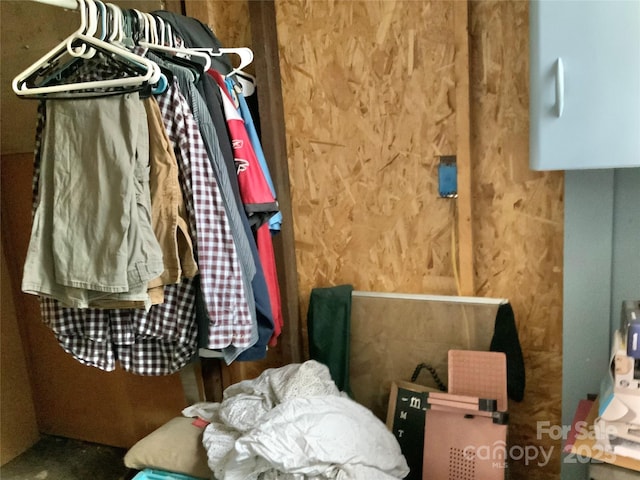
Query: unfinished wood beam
[[264, 37], [463, 154]]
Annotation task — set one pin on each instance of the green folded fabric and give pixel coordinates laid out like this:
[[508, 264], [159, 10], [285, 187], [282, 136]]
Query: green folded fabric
[[329, 328]]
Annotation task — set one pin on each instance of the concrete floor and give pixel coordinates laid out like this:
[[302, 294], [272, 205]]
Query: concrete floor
[[57, 458]]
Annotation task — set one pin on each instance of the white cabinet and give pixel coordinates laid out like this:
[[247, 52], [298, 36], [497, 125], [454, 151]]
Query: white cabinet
[[584, 84]]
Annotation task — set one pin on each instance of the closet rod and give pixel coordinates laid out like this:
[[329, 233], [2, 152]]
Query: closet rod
[[68, 4]]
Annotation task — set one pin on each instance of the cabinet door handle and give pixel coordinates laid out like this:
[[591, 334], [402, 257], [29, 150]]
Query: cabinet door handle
[[559, 87]]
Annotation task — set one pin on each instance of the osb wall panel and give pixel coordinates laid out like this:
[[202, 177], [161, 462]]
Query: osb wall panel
[[368, 98], [368, 95], [518, 217], [228, 19]]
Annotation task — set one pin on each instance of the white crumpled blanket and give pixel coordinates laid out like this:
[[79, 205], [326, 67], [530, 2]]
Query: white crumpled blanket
[[292, 423]]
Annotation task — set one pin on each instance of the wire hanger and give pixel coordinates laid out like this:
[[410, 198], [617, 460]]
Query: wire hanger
[[147, 71]]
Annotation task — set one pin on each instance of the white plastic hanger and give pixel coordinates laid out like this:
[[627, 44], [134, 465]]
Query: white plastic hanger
[[152, 25], [117, 29], [92, 27], [102, 16], [247, 82], [169, 34], [84, 25], [161, 30], [246, 57], [149, 71], [245, 54], [179, 51], [143, 24], [152, 42], [149, 28]]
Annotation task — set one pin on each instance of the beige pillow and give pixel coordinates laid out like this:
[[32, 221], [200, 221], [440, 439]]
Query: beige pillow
[[175, 447]]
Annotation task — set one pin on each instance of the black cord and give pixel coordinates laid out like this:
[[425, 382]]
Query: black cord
[[441, 386]]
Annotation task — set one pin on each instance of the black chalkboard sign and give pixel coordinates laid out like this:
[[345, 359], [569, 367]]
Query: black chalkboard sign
[[406, 418]]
